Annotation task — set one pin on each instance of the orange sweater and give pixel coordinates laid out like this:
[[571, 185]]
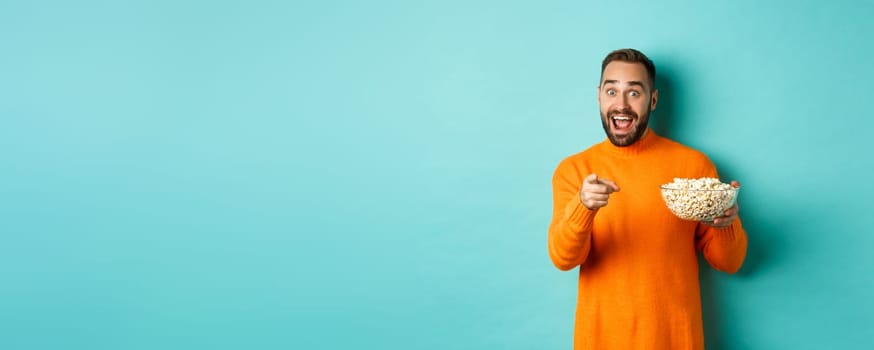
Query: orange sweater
[[638, 284]]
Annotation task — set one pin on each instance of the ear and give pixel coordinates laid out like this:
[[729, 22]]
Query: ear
[[654, 101], [598, 93]]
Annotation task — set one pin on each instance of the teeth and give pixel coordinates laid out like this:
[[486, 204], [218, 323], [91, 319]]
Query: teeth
[[622, 118]]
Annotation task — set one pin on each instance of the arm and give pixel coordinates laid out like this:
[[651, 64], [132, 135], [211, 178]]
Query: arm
[[724, 241], [724, 248], [569, 236]]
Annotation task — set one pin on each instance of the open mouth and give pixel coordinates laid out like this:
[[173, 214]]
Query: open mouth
[[622, 122]]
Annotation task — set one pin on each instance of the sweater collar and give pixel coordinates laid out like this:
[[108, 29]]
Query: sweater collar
[[646, 142]]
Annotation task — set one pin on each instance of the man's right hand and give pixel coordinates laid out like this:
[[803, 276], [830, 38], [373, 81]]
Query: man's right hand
[[595, 191]]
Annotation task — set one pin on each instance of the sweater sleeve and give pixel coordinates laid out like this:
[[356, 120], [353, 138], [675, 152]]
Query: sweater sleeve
[[723, 248], [570, 231]]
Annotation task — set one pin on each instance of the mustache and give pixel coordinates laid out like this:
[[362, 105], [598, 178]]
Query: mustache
[[627, 111]]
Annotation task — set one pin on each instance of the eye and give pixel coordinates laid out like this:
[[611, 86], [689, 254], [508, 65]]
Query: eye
[[634, 94], [611, 92]]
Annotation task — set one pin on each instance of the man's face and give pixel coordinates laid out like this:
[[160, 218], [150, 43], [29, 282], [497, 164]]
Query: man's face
[[626, 97]]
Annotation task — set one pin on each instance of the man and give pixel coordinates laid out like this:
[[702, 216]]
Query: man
[[638, 266]]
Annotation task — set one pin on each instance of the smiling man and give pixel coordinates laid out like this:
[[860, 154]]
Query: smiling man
[[638, 265]]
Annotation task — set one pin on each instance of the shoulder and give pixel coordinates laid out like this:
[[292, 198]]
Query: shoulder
[[577, 165], [686, 152], [693, 159], [579, 159]]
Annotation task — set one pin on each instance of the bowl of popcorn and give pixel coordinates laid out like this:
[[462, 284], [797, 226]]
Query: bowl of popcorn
[[701, 199]]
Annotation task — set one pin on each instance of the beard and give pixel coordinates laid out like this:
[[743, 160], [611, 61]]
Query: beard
[[637, 130]]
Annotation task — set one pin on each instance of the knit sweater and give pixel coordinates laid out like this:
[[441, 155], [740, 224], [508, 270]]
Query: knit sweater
[[638, 264]]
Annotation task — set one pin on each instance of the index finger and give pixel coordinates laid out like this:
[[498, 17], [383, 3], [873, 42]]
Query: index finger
[[612, 185]]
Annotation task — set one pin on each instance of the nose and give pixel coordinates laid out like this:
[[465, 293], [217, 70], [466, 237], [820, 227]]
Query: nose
[[622, 101]]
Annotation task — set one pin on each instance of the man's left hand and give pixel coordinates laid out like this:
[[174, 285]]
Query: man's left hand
[[728, 216]]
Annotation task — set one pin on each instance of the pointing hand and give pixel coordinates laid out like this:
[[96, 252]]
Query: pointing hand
[[596, 192]]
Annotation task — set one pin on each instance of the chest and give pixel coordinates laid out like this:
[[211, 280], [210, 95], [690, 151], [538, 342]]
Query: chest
[[637, 215]]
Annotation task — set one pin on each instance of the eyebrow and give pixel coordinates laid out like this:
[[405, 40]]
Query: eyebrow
[[632, 82]]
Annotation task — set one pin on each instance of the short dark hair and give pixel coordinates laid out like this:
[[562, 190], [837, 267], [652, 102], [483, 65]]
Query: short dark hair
[[630, 56]]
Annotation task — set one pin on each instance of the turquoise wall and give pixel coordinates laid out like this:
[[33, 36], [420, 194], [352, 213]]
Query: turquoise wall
[[376, 175]]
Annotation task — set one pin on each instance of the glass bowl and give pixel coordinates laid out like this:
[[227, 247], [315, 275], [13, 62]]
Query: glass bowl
[[698, 205]]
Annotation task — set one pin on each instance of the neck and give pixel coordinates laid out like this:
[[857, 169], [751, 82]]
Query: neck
[[641, 145]]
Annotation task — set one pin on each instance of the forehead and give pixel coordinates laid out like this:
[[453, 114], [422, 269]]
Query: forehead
[[624, 72]]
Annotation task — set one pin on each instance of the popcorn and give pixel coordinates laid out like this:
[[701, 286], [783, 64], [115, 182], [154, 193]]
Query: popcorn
[[698, 199]]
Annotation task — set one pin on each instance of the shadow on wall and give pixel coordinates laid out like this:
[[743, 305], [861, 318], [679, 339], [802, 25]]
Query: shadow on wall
[[661, 119]]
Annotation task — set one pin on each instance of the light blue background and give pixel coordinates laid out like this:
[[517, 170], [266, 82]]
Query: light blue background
[[376, 175]]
